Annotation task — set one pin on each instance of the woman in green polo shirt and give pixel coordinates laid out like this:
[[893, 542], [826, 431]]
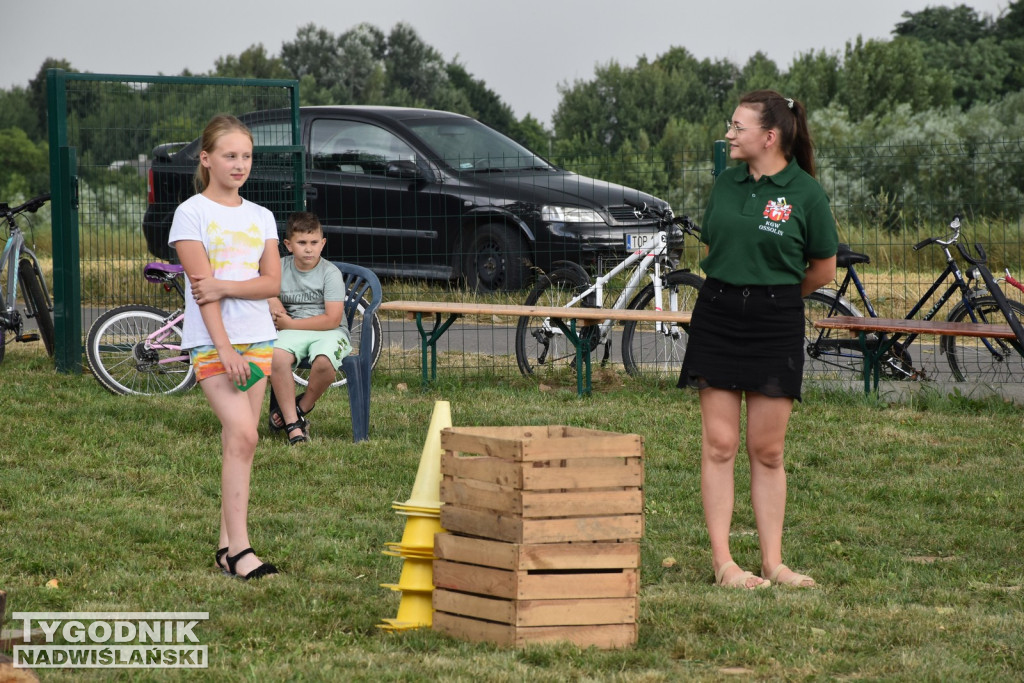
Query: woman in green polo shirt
[[771, 239]]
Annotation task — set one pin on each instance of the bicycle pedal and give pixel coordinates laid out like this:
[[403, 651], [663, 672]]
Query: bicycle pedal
[[28, 337]]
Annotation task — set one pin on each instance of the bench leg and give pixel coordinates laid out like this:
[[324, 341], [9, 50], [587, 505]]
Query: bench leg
[[428, 341], [584, 385]]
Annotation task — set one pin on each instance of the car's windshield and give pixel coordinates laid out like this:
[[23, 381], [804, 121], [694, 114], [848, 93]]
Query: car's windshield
[[467, 145]]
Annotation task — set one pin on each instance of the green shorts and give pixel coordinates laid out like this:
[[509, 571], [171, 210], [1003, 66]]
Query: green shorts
[[308, 344]]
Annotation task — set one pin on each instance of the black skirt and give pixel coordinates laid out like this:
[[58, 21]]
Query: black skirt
[[747, 339]]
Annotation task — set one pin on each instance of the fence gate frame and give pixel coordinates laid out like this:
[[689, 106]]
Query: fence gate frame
[[64, 199]]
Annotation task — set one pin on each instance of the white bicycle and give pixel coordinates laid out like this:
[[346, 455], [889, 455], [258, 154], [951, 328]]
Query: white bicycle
[[648, 348]]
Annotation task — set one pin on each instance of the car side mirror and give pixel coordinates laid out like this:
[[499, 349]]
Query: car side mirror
[[403, 169]]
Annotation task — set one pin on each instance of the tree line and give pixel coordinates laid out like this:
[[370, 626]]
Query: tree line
[[948, 75]]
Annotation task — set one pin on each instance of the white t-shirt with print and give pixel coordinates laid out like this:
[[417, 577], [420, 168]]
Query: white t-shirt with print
[[234, 238]]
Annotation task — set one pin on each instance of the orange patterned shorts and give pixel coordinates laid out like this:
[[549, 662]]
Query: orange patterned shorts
[[207, 362]]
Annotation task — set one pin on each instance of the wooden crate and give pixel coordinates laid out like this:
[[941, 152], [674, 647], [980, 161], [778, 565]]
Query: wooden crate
[[513, 594], [542, 484]]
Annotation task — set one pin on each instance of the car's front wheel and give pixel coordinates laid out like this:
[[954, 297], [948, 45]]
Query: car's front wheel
[[496, 259]]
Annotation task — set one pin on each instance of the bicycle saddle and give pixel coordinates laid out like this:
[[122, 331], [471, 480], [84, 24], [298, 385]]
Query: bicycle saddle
[[162, 272], [845, 257]]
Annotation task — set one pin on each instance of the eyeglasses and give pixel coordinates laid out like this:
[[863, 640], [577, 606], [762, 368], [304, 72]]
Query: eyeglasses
[[729, 125]]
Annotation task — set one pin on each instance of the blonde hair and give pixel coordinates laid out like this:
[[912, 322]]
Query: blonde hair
[[219, 126]]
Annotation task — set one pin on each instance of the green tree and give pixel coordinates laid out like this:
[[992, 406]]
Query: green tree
[[813, 78], [1010, 25], [16, 109], [24, 164], [37, 96], [979, 72], [877, 75], [958, 25], [759, 72], [252, 63], [314, 53]]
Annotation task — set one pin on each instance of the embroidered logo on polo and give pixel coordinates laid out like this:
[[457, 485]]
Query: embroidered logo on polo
[[778, 210]]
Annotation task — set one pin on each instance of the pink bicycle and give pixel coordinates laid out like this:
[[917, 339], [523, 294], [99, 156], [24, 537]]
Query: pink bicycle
[[136, 349]]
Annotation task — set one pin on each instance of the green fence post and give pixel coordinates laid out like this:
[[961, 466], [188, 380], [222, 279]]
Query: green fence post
[[719, 158], [67, 291]]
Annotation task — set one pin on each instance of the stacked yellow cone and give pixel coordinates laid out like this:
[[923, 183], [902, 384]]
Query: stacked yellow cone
[[423, 519]]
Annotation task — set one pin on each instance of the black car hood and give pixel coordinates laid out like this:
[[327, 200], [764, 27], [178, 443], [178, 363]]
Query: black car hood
[[559, 188]]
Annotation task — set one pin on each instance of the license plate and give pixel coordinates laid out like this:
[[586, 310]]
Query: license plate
[[636, 242]]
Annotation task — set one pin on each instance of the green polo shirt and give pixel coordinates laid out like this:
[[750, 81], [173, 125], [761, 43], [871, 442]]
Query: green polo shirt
[[763, 232]]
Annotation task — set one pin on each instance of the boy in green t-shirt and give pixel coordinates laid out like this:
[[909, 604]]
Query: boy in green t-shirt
[[310, 317]]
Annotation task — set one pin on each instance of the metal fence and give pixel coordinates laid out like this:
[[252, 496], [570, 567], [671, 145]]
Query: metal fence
[[105, 130]]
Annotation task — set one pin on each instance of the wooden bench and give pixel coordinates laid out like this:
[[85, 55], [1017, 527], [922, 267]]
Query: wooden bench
[[565, 318], [900, 327]]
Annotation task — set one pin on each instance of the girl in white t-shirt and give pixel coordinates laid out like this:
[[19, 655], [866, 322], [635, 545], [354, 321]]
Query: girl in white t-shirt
[[228, 247]]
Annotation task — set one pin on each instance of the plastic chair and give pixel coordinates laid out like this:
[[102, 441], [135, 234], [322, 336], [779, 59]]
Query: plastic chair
[[360, 285]]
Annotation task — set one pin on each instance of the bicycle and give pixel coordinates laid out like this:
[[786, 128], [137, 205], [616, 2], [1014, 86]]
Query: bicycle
[[647, 348], [981, 301], [136, 349], [36, 295]]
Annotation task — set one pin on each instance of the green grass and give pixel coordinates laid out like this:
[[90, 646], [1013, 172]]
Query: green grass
[[908, 514]]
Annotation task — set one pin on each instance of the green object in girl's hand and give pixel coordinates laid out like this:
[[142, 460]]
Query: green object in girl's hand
[[255, 375]]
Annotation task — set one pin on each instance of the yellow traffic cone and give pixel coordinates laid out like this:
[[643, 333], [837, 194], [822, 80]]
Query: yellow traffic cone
[[417, 575], [426, 491], [415, 611], [419, 531]]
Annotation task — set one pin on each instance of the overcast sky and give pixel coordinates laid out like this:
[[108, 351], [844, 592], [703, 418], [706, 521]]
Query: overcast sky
[[522, 49]]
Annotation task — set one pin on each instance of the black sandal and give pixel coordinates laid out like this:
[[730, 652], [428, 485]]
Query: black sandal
[[218, 556], [265, 569], [302, 436], [275, 411]]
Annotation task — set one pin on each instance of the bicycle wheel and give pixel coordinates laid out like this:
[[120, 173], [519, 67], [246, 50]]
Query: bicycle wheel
[[125, 360], [983, 359], [829, 354], [657, 349], [541, 347], [301, 375], [35, 301]]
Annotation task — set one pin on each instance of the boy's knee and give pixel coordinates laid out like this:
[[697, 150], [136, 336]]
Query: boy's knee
[[282, 359], [322, 364]]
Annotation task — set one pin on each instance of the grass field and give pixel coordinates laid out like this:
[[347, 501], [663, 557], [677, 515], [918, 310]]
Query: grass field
[[908, 514]]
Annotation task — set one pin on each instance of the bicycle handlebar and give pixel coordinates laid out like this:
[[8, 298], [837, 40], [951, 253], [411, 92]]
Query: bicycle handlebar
[[684, 222], [954, 226], [30, 206]]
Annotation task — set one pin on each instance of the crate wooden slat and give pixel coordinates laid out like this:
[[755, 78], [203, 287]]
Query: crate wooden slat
[[462, 492], [525, 585], [516, 529], [541, 556], [578, 473], [555, 612], [526, 444], [603, 636]]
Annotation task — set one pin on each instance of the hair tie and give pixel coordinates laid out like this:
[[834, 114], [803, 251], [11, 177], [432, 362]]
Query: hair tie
[[789, 102]]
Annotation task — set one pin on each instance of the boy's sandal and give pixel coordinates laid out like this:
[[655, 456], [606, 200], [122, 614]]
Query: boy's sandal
[[739, 580], [275, 420], [275, 411], [303, 436], [265, 569], [795, 580], [218, 556]]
